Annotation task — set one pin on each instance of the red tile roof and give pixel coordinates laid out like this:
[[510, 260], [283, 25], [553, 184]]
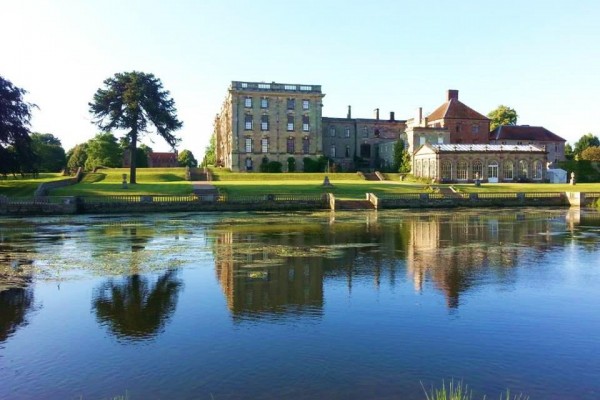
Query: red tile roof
[[454, 109], [524, 132]]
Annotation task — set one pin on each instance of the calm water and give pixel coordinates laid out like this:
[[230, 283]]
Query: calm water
[[304, 306]]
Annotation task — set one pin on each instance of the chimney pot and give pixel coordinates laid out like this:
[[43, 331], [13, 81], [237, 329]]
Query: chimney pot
[[452, 94], [392, 116], [377, 113], [349, 116]]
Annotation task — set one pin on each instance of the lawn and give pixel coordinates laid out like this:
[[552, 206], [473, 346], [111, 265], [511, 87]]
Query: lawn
[[19, 187], [151, 181], [526, 187]]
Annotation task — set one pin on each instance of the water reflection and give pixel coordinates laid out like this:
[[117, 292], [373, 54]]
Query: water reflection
[[15, 304], [278, 267], [135, 307]]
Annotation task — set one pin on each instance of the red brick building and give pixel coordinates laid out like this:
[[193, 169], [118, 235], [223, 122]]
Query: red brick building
[[464, 124]]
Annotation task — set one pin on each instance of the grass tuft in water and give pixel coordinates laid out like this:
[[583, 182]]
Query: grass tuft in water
[[457, 390]]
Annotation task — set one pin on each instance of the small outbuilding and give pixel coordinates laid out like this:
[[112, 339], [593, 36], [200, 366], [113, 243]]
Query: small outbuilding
[[484, 162]]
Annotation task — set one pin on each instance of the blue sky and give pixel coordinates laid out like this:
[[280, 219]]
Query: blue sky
[[540, 57]]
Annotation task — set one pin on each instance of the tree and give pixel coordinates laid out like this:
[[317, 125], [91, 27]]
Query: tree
[[591, 153], [502, 115], [103, 151], [401, 158], [49, 153], [210, 155], [186, 159], [15, 115], [131, 100], [78, 157], [569, 152], [587, 140]]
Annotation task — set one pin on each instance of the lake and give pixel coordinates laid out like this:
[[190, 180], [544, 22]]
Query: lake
[[331, 305]]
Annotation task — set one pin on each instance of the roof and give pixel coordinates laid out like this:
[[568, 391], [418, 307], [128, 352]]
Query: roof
[[454, 109], [488, 148], [163, 156], [524, 132]]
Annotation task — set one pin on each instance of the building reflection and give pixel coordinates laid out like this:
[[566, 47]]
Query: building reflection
[[278, 268]]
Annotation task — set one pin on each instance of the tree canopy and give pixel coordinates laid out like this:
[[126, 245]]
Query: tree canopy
[[186, 159], [591, 153], [210, 155], [77, 157], [49, 153], [502, 115], [131, 101], [401, 158], [587, 140], [15, 115], [103, 151]]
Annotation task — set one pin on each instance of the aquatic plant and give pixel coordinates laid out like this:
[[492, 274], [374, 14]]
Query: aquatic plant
[[457, 390]]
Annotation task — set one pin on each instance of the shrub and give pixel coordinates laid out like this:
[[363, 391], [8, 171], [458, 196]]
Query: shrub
[[291, 161]]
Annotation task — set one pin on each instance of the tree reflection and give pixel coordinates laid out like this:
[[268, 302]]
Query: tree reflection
[[15, 303], [136, 308]]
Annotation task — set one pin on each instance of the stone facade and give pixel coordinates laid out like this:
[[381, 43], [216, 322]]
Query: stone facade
[[354, 143], [275, 121], [534, 135], [489, 163]]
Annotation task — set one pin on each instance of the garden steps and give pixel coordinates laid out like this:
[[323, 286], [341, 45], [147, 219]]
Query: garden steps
[[371, 176]]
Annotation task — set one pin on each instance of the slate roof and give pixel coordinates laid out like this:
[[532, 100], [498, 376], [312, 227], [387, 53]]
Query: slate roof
[[524, 132], [454, 109]]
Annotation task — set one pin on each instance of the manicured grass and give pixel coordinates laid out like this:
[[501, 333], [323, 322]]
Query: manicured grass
[[151, 181], [18, 187], [221, 175], [527, 187], [341, 188]]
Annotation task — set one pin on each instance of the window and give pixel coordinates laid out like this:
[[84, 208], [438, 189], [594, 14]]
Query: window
[[244, 85], [347, 132], [264, 102], [432, 171], [248, 122], [306, 88], [523, 173], [425, 171], [419, 168], [305, 104], [447, 170], [306, 145], [477, 169], [365, 131], [365, 150], [290, 123], [457, 128], [462, 170], [305, 124], [248, 145], [347, 154], [440, 140], [509, 171], [264, 86], [264, 123], [289, 87], [332, 131], [474, 128], [291, 104], [248, 102], [290, 145], [377, 132], [264, 143], [422, 140], [537, 170], [248, 164], [332, 152]]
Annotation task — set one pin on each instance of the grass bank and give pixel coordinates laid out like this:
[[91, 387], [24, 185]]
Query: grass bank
[[19, 187], [526, 187]]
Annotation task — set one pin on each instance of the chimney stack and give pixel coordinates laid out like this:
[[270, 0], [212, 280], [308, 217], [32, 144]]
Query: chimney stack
[[419, 117], [452, 94], [392, 116], [349, 116], [377, 113]]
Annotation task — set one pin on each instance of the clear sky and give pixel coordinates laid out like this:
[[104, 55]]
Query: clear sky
[[540, 57]]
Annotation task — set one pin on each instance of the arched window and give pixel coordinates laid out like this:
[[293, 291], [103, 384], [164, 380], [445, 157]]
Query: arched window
[[477, 169], [462, 170], [537, 170], [432, 171], [509, 171], [523, 171], [419, 168], [447, 170], [426, 168]]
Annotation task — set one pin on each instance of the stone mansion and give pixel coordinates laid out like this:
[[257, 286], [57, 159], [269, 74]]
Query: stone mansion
[[280, 122]]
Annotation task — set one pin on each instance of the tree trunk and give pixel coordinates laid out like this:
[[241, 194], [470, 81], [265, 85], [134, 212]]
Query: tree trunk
[[132, 157]]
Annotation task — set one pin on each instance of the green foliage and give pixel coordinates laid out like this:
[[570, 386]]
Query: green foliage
[[49, 153], [291, 162], [456, 390], [22, 187], [591, 153], [318, 165], [132, 100], [210, 155], [103, 151], [270, 166], [142, 153], [584, 170], [587, 140], [502, 115], [186, 159], [569, 155], [16, 154], [401, 158]]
